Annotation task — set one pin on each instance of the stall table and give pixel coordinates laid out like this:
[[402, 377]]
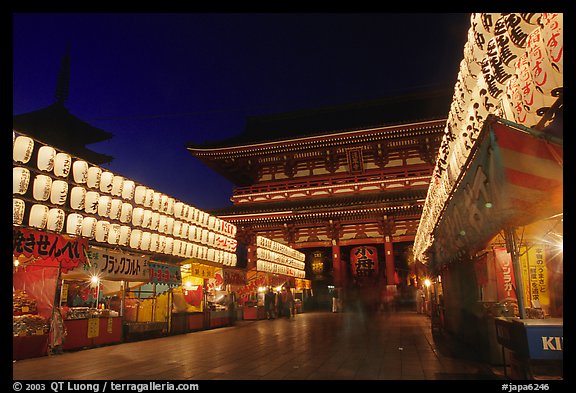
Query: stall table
[[92, 332], [24, 347]]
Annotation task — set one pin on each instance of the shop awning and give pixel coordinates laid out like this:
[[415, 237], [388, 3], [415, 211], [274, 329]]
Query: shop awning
[[513, 177]]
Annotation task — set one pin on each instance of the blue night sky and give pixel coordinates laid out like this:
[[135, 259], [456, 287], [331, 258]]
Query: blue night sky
[[157, 81]]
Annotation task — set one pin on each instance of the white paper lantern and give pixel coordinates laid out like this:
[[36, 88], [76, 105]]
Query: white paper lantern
[[89, 227], [211, 238], [77, 198], [104, 206], [38, 216], [169, 225], [106, 182], [115, 209], [140, 195], [91, 202], [137, 216], [74, 224], [102, 229], [42, 187], [553, 38], [148, 197], [126, 212], [163, 203], [162, 223], [169, 245], [544, 77], [147, 219], [211, 222], [45, 160], [135, 238], [178, 209], [94, 177], [170, 209], [184, 230], [156, 198], [176, 247], [125, 235], [80, 171], [177, 228], [20, 180], [113, 234], [128, 189], [518, 29], [59, 192], [188, 250], [161, 243], [117, 185], [154, 242], [22, 149], [145, 241], [155, 221], [62, 164], [192, 232], [18, 208]]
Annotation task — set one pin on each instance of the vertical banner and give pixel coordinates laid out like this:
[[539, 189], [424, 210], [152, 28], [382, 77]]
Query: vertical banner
[[537, 278], [364, 261], [505, 283]]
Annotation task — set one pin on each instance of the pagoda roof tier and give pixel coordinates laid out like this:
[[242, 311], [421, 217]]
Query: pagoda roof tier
[[394, 115], [391, 202]]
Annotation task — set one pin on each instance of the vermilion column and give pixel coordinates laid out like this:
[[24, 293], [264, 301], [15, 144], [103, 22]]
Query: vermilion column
[[389, 251], [336, 265]]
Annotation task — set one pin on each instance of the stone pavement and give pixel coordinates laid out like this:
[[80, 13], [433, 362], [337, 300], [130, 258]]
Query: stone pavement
[[312, 346]]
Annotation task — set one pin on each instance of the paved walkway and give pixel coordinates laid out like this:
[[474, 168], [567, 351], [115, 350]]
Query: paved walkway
[[312, 346]]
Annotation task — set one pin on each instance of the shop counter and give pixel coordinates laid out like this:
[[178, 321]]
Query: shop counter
[[219, 318], [24, 347], [195, 321], [92, 332]]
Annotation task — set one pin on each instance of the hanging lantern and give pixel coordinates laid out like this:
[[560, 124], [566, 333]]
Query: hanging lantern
[[135, 238], [177, 228], [113, 234], [62, 164], [169, 225], [530, 96], [518, 29], [499, 69], [169, 245], [155, 221], [59, 192], [117, 185], [544, 77], [91, 202], [101, 233], [154, 242], [104, 206], [170, 209], [126, 212], [162, 224], [508, 52], [125, 235], [211, 223], [145, 241], [178, 209], [115, 209], [74, 224], [38, 216], [128, 189], [553, 38], [20, 180], [531, 18], [192, 232], [80, 171], [78, 198], [45, 160], [42, 187], [211, 255], [89, 227], [184, 230], [176, 247], [205, 234], [163, 204], [106, 182], [94, 177], [148, 197], [22, 149], [190, 214], [188, 250], [156, 198], [161, 243], [18, 208], [147, 219], [211, 238], [139, 195], [137, 216]]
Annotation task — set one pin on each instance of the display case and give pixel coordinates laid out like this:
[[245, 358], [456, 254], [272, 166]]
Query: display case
[[30, 330]]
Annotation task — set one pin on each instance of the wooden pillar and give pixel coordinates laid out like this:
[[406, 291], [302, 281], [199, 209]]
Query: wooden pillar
[[389, 255]]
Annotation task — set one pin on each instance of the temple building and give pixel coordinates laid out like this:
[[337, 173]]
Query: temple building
[[344, 184]]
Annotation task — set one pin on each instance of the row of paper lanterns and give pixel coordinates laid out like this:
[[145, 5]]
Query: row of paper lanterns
[[270, 267], [97, 181], [272, 245], [271, 256]]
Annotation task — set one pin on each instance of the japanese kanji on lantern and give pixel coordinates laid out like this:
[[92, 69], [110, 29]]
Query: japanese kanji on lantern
[[364, 261]]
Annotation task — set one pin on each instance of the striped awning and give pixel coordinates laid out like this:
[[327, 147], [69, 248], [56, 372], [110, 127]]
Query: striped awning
[[513, 177]]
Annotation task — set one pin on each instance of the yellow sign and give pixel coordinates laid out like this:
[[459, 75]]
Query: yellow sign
[[109, 326], [93, 327], [535, 276]]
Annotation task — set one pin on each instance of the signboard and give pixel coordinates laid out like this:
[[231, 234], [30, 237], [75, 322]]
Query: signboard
[[93, 327], [161, 273], [112, 265], [533, 262], [505, 283], [364, 261], [355, 160]]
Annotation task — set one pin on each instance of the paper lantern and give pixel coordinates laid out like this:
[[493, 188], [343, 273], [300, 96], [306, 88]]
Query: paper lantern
[[89, 227], [154, 242], [544, 76], [161, 244], [177, 228], [126, 212], [156, 198], [184, 230], [38, 216], [499, 69], [145, 241], [102, 229], [104, 206], [178, 209], [176, 247], [77, 198], [42, 187], [211, 238], [74, 224], [211, 255], [45, 160], [162, 223], [20, 180], [211, 223], [135, 238], [62, 164], [94, 177], [508, 52], [147, 219], [137, 216], [169, 225], [22, 149], [113, 234], [191, 214], [128, 189], [192, 232], [204, 238], [163, 204], [148, 197], [531, 18], [553, 39], [91, 202], [59, 192], [518, 30], [117, 185], [155, 221], [169, 245], [139, 195], [188, 250], [106, 182], [80, 171], [18, 208], [115, 209]]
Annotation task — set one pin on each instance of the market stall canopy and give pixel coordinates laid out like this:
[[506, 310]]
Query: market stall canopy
[[514, 176]]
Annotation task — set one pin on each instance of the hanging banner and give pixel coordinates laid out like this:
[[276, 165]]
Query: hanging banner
[[505, 283], [536, 279], [161, 273], [364, 261], [68, 251], [112, 265]]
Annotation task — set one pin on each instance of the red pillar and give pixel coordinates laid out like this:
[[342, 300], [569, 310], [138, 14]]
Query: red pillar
[[337, 266], [388, 250]]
